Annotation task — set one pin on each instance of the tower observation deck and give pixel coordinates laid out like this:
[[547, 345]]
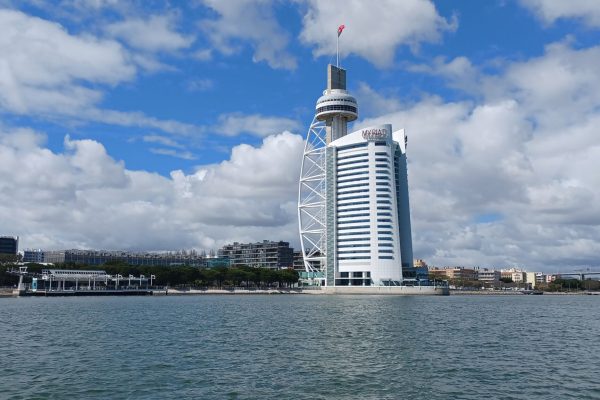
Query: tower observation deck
[[336, 107], [353, 206]]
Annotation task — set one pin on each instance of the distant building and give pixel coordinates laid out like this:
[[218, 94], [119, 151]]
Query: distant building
[[100, 257], [531, 279], [266, 254], [515, 274], [298, 261], [458, 273], [9, 245], [489, 276], [540, 278], [54, 257], [419, 271], [214, 262], [33, 256]]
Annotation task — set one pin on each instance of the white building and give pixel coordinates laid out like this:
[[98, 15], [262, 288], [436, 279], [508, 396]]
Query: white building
[[353, 201], [488, 276], [517, 275]]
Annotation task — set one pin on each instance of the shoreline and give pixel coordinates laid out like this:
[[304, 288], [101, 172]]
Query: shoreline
[[8, 293], [515, 293]]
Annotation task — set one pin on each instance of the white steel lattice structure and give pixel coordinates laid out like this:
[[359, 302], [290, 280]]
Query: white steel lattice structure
[[312, 198]]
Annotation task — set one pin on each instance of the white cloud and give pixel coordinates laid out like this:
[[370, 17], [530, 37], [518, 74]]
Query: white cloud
[[203, 55], [255, 124], [373, 29], [551, 10], [374, 103], [526, 151], [81, 197], [133, 118], [153, 34], [459, 73], [42, 65], [252, 22], [184, 155], [563, 79], [47, 72], [200, 85], [165, 141]]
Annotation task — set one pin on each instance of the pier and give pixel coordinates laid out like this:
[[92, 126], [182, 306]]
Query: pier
[[61, 282]]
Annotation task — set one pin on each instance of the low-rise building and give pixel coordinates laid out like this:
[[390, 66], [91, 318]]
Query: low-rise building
[[530, 279], [266, 254], [33, 256], [100, 257], [540, 278], [458, 273], [517, 275], [298, 261], [488, 276]]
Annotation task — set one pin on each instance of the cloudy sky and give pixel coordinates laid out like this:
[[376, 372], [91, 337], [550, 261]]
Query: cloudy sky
[[149, 125]]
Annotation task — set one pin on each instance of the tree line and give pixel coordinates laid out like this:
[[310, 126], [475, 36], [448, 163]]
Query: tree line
[[181, 275]]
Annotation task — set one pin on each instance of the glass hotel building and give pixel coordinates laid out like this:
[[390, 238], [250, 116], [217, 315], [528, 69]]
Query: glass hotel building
[[353, 206]]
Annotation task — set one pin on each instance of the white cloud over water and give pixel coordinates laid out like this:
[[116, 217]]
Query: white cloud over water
[[83, 198]]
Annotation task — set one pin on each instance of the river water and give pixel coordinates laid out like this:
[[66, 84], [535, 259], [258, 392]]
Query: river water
[[301, 347]]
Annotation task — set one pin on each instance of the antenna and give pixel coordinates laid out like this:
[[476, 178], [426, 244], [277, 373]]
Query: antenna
[[337, 47]]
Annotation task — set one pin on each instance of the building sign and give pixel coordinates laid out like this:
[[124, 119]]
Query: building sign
[[375, 134]]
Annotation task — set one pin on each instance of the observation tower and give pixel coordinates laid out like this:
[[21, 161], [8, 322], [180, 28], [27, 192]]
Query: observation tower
[[353, 205]]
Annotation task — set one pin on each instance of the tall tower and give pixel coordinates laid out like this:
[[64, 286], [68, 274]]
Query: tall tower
[[336, 107], [353, 205]]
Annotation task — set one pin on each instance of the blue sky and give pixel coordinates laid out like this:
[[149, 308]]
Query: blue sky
[[168, 125]]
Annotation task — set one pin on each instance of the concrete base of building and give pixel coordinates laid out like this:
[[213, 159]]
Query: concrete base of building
[[383, 290]]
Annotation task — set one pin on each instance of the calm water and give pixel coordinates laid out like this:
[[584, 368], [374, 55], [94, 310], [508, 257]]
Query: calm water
[[302, 347]]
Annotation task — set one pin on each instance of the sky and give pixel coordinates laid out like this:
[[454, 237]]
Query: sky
[[150, 125]]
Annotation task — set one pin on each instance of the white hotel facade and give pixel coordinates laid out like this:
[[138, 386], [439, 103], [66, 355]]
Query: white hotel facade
[[353, 204]]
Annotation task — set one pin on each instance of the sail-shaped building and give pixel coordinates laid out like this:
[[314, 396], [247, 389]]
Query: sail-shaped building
[[353, 204]]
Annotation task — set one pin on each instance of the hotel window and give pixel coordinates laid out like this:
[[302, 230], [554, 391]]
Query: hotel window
[[345, 228], [363, 184]]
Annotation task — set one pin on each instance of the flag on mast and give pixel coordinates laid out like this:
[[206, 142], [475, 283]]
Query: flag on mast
[[340, 29]]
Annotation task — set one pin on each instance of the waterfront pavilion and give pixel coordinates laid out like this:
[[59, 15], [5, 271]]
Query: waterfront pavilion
[[67, 279]]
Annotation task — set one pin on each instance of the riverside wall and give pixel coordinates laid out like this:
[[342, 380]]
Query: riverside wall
[[383, 290]]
